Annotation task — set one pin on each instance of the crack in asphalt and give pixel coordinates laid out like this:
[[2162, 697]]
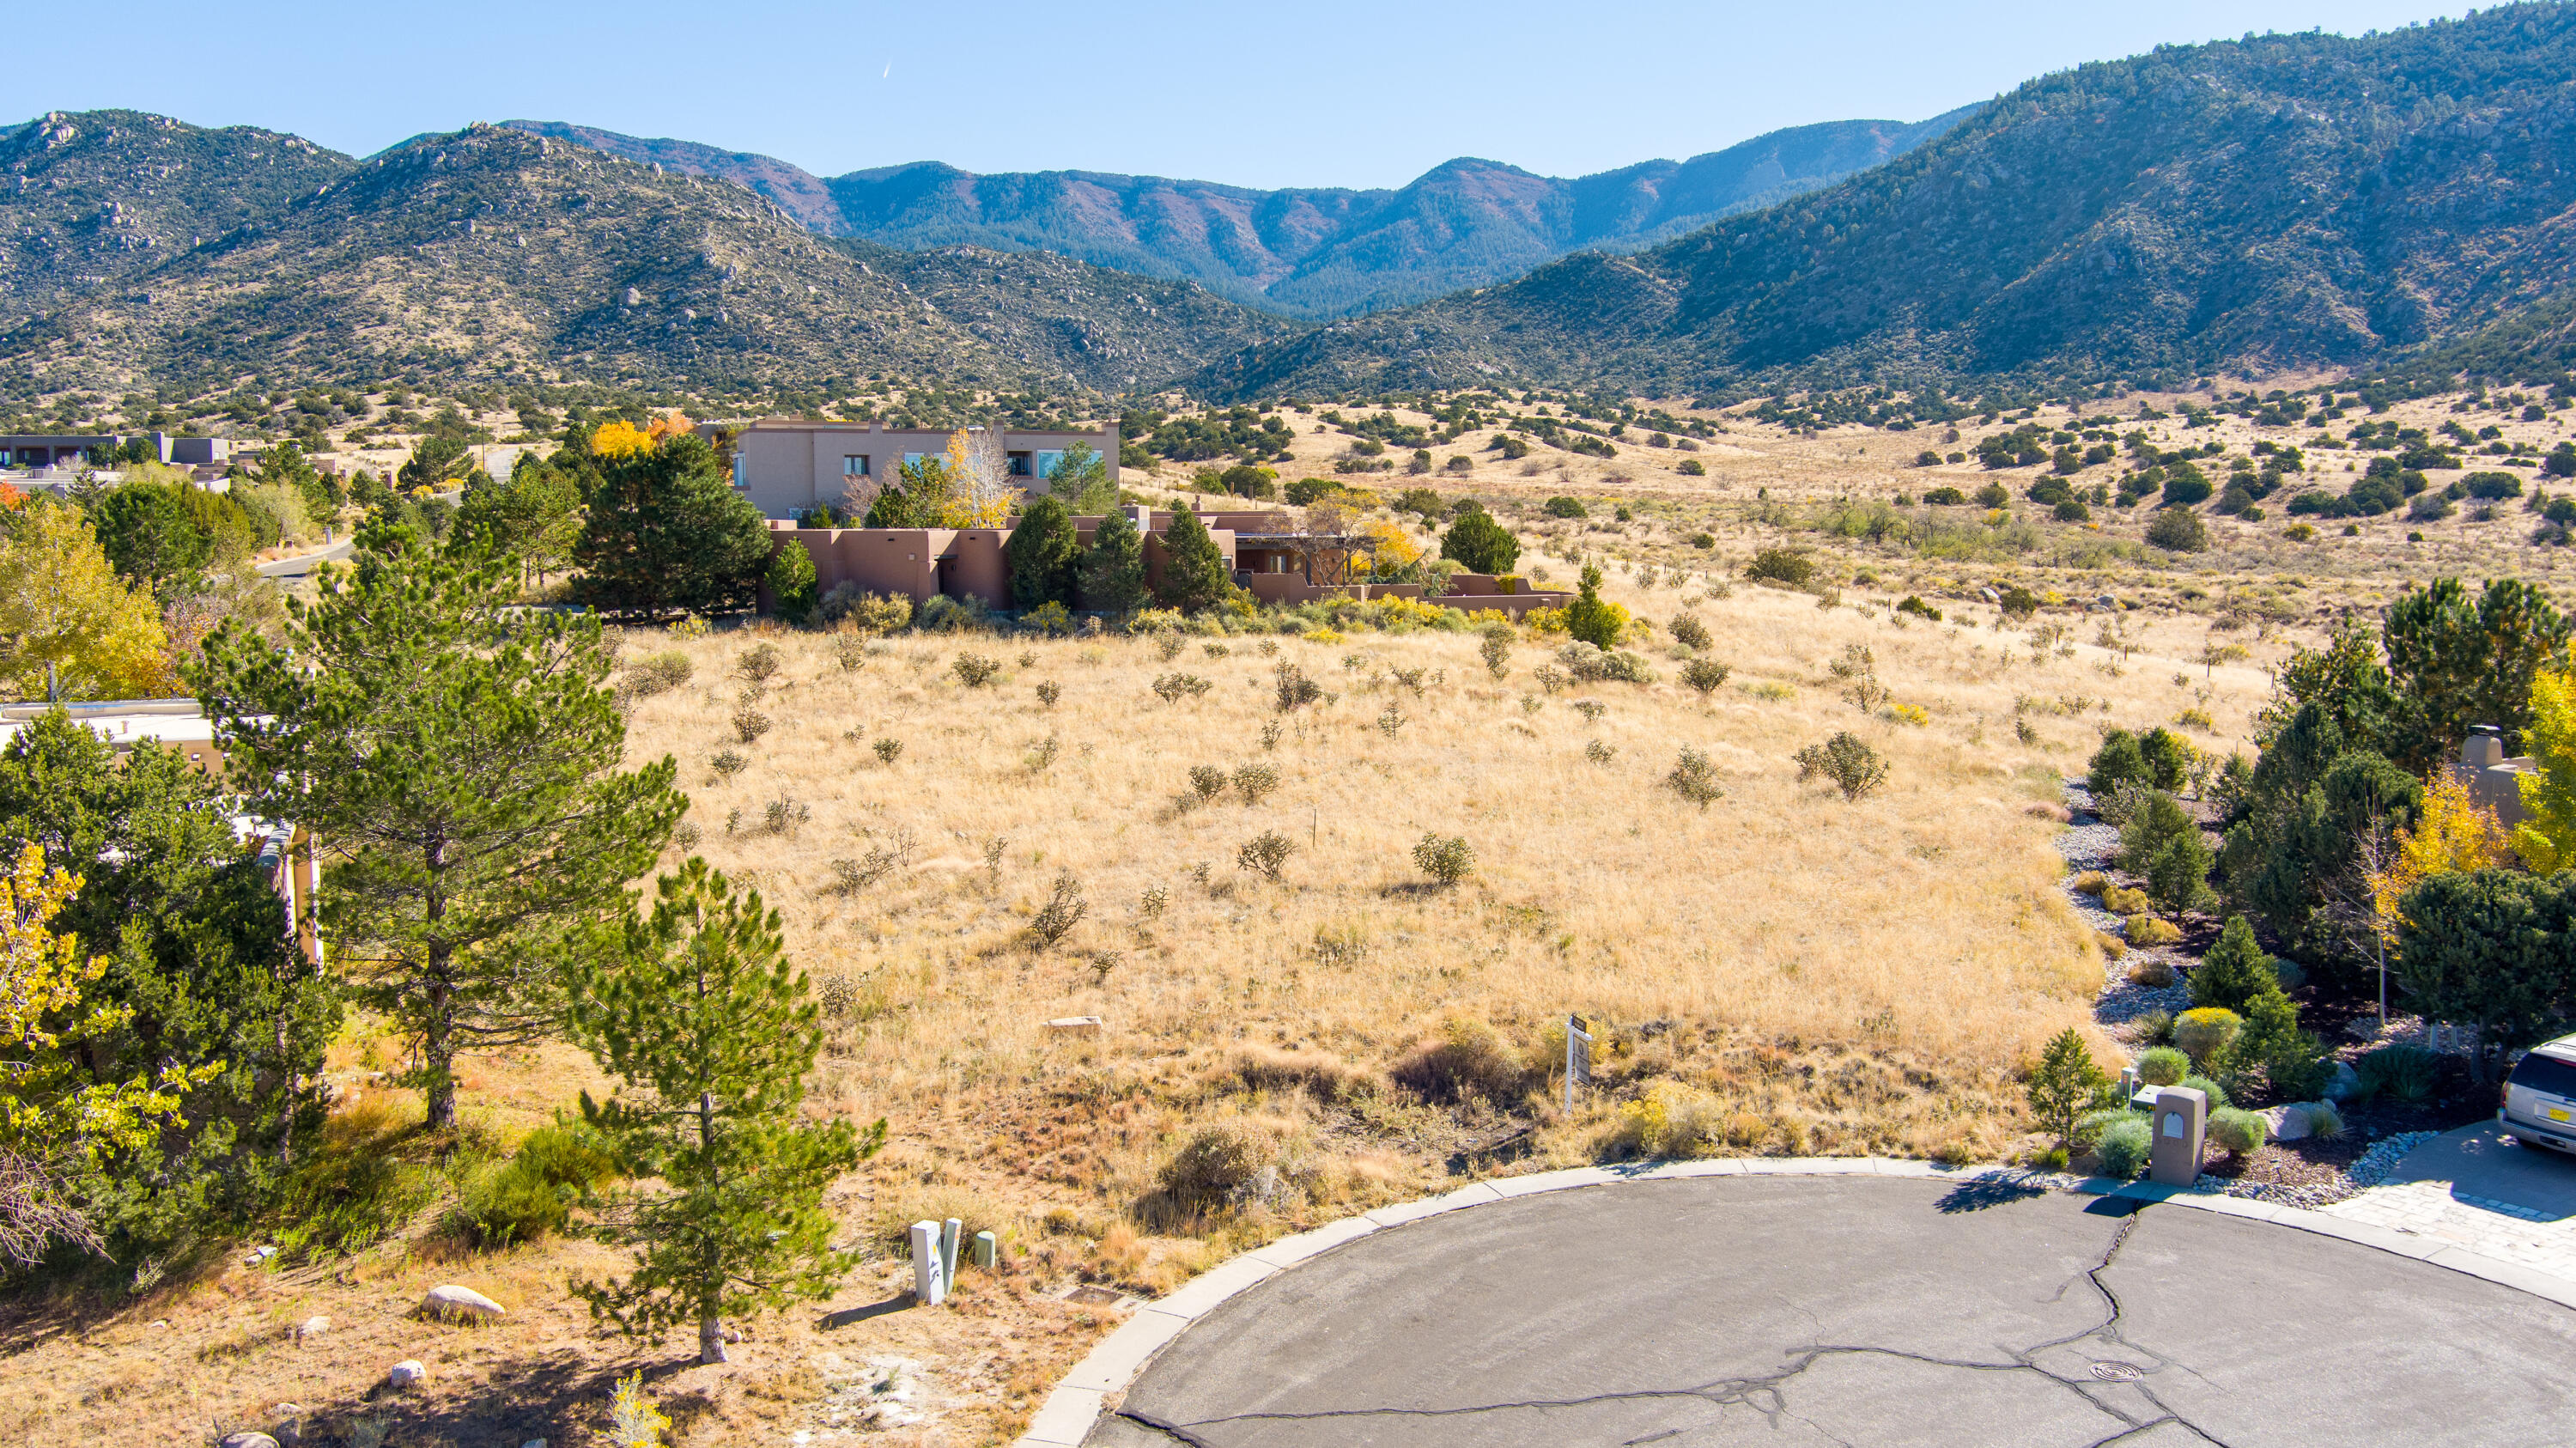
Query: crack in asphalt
[[1764, 1393]]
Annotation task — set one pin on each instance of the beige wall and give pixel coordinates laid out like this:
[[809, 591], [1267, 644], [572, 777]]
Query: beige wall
[[787, 465]]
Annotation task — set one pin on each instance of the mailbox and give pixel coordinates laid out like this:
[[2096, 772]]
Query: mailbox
[[2179, 1123]]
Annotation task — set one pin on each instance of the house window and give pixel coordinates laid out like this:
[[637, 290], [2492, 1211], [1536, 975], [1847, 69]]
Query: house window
[[1048, 461], [916, 459], [1019, 464], [737, 472], [854, 465]]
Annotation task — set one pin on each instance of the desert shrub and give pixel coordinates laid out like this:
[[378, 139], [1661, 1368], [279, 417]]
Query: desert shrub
[[2205, 1031], [2154, 972], [2163, 1066], [1320, 1074], [532, 1195], [2090, 1126], [975, 670], [850, 651], [1173, 688], [2124, 1147], [1063, 910], [942, 614], [2323, 1119], [1468, 1062], [2408, 1073], [655, 673], [1214, 1167], [1783, 566], [1600, 753], [2237, 1131], [864, 612], [1048, 692], [1265, 854], [728, 762], [1591, 665], [759, 663], [2121, 900], [1946, 498], [749, 724], [1293, 690], [1694, 778], [2091, 882], [1689, 632], [2148, 931], [1207, 781], [1671, 1120], [1494, 644], [1705, 676], [1846, 760], [1167, 647], [2179, 530], [1917, 607], [888, 750], [1255, 782], [1447, 859], [1565, 507]]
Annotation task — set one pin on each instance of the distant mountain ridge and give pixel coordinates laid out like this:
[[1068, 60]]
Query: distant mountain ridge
[[2275, 202], [1305, 252]]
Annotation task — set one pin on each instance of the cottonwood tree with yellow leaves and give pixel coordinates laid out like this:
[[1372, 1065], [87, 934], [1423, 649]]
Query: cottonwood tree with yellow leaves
[[63, 606], [55, 1124], [2546, 839]]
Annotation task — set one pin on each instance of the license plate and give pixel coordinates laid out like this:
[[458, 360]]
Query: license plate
[[2556, 1114]]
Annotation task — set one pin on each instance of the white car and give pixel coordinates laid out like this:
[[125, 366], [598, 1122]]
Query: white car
[[2539, 1107]]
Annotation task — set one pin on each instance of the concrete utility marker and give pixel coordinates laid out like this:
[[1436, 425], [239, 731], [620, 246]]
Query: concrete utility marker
[[1878, 1303]]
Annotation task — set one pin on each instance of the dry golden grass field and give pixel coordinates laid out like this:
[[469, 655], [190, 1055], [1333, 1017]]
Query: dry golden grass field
[[1780, 971]]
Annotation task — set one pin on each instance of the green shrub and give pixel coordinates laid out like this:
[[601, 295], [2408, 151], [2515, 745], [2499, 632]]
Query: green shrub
[[2123, 1147], [1946, 498], [1689, 632], [2234, 971], [2121, 900], [1916, 606], [2205, 1031], [2238, 1132], [1447, 859], [976, 670], [2324, 1119], [532, 1195], [2178, 873], [2216, 1093], [2156, 1028], [1847, 760], [2179, 530], [2117, 761], [2408, 1073], [1213, 1166], [1694, 778], [1705, 676], [867, 613], [655, 673], [1565, 507], [1782, 565], [2163, 1066], [790, 578], [1494, 645], [2090, 1126]]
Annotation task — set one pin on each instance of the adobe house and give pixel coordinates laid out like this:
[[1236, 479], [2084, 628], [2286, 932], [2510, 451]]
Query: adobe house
[[789, 466], [1270, 556], [2494, 782]]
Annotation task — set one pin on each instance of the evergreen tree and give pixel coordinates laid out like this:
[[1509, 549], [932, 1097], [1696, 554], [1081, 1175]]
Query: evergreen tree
[[1194, 575], [668, 532], [197, 965], [2062, 1085], [1591, 620], [149, 535], [1045, 556], [1480, 543], [790, 577], [2464, 661], [457, 758], [1113, 571], [710, 1035], [2234, 971], [2493, 948], [1081, 482]]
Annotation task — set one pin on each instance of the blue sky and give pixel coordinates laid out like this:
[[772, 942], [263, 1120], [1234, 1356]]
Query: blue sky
[[1328, 92]]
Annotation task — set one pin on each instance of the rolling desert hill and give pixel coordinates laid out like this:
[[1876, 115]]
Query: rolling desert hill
[[494, 250], [2279, 202], [1305, 252]]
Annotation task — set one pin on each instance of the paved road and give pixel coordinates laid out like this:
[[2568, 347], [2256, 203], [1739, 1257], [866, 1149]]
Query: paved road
[[303, 565], [1852, 1310]]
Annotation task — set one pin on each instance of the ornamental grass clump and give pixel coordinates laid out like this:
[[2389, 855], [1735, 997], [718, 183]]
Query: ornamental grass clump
[[2205, 1031]]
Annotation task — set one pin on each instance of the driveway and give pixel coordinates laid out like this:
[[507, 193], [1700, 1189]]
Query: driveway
[[303, 564], [2479, 1188], [1855, 1310]]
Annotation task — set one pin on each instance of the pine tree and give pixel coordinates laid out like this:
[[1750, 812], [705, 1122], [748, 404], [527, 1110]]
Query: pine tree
[[710, 1034], [2062, 1084], [1194, 575], [1591, 620], [668, 532], [1113, 571], [2234, 971], [1044, 555], [790, 577], [457, 759], [1480, 543]]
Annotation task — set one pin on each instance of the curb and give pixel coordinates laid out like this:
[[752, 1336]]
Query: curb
[[1115, 1362]]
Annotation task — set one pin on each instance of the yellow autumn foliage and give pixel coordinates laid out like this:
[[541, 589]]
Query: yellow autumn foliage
[[620, 440], [2452, 835], [2546, 839], [62, 604]]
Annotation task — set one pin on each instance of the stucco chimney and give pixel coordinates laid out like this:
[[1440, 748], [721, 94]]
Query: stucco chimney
[[2483, 749]]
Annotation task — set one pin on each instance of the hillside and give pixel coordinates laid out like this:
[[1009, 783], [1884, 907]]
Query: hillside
[[491, 251], [2278, 202], [93, 199], [1310, 252]]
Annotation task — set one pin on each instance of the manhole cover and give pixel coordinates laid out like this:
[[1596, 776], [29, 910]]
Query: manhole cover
[[2116, 1372], [1099, 1295]]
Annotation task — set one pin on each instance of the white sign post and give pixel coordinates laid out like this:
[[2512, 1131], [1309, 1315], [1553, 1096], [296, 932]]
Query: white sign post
[[929, 1265], [1578, 1058]]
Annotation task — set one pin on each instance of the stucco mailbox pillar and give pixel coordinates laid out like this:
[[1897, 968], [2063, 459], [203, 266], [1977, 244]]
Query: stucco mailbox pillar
[[2179, 1121]]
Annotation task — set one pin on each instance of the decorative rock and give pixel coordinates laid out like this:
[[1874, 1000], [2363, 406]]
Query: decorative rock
[[406, 1373], [2288, 1123], [460, 1302], [246, 1440], [258, 1255], [1074, 1026], [2346, 1081], [534, 1443], [311, 1327]]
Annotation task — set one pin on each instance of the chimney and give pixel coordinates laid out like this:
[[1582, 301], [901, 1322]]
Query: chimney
[[2483, 749], [1143, 514]]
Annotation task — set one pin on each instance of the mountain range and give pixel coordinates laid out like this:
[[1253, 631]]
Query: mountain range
[[1300, 252], [2277, 202]]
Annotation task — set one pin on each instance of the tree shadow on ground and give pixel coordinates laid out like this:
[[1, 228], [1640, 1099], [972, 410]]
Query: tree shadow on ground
[[559, 1398], [1995, 1190]]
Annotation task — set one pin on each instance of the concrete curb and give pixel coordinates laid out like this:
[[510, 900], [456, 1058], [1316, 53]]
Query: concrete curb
[[1113, 1365]]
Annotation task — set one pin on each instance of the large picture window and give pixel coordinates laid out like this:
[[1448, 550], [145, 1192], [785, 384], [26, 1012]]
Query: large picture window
[[1049, 459], [854, 465]]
